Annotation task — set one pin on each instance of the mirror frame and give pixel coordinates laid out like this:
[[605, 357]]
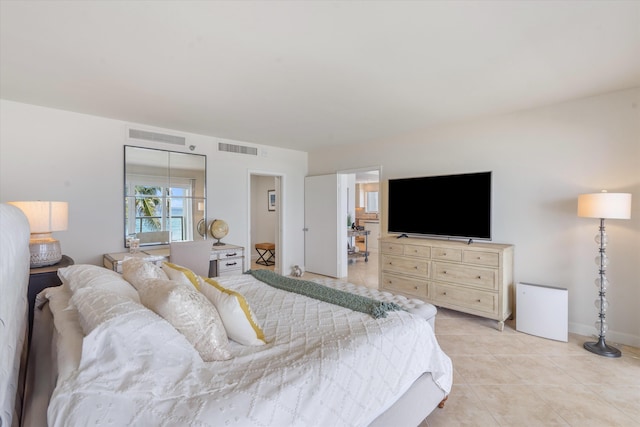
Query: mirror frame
[[198, 218]]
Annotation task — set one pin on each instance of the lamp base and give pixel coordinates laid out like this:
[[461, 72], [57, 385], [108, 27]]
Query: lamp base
[[44, 252], [601, 348]]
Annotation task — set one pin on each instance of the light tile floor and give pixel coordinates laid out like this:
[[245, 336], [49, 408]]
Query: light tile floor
[[513, 379]]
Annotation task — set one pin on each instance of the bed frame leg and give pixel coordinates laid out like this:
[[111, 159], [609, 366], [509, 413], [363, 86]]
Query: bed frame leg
[[441, 404]]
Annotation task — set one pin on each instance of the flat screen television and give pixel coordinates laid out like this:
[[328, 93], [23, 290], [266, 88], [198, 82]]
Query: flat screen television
[[451, 206]]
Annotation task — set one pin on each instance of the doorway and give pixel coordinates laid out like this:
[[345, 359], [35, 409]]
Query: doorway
[[265, 216], [363, 210]]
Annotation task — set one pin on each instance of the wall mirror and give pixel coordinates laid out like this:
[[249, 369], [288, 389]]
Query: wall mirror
[[164, 196]]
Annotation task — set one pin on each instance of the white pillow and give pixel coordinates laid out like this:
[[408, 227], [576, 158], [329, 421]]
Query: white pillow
[[191, 314], [181, 275], [91, 276], [96, 306], [238, 319], [136, 271]]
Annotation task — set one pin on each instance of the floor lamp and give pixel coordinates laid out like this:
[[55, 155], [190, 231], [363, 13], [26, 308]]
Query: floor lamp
[[603, 206]]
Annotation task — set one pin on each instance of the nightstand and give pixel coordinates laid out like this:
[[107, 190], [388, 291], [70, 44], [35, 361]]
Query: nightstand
[[41, 278]]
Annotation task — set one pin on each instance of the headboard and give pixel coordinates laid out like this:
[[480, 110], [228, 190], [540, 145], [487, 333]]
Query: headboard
[[14, 282]]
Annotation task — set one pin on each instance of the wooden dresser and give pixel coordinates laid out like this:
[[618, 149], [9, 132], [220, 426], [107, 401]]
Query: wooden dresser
[[474, 278]]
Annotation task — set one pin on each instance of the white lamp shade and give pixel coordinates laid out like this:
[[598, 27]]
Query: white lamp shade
[[45, 217], [605, 205]]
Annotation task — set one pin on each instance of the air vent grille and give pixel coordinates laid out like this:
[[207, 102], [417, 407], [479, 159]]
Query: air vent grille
[[157, 137], [240, 149]]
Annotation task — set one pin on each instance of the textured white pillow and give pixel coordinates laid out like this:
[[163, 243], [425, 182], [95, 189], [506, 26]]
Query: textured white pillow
[[181, 275], [66, 320], [136, 271], [91, 276], [238, 319], [96, 306], [191, 314]]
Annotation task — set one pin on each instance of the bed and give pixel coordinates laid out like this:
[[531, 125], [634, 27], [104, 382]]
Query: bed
[[111, 357]]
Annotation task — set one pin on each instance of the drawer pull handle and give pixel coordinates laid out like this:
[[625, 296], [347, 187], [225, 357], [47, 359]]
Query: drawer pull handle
[[415, 287], [479, 277], [444, 293], [477, 300], [444, 272], [229, 255], [229, 264]]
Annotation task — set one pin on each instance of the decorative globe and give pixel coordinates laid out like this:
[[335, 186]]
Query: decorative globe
[[218, 230]]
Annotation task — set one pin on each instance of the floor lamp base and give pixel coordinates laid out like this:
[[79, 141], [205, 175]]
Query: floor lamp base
[[602, 348]]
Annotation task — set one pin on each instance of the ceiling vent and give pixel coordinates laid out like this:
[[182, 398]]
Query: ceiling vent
[[157, 137], [240, 149]]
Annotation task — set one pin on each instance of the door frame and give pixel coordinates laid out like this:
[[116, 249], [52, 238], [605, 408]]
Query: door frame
[[280, 216]]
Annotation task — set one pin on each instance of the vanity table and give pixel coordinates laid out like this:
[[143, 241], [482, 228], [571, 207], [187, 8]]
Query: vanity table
[[226, 260]]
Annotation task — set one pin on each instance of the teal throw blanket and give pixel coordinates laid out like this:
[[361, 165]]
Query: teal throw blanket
[[354, 302]]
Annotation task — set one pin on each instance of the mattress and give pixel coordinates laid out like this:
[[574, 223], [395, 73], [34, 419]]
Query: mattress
[[322, 365]]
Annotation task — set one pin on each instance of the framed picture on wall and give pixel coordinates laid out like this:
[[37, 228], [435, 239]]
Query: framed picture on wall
[[271, 200]]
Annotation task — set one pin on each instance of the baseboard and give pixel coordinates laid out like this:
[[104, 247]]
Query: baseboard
[[613, 337]]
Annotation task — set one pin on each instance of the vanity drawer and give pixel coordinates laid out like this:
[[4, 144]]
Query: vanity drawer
[[228, 267], [404, 285], [413, 266], [229, 253], [480, 277]]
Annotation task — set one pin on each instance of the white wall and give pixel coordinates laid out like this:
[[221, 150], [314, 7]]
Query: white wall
[[541, 160], [48, 154]]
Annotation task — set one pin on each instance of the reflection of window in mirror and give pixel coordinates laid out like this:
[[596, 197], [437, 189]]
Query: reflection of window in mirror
[[164, 195], [372, 202]]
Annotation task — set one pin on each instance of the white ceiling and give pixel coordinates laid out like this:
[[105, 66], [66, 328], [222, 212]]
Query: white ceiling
[[303, 74]]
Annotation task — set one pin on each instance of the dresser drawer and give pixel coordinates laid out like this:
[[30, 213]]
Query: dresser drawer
[[472, 299], [405, 285], [413, 266], [490, 259], [446, 254], [417, 250], [480, 277], [391, 248]]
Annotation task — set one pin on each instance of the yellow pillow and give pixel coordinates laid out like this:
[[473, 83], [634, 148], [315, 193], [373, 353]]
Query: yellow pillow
[[181, 274], [237, 317]]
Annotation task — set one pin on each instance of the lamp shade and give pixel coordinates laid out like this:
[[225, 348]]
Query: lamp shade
[[45, 217], [605, 205]]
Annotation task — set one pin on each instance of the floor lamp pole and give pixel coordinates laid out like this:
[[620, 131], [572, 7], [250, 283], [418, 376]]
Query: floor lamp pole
[[601, 346]]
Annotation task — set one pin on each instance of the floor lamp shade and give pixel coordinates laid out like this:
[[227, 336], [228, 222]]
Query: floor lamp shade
[[44, 218], [603, 206]]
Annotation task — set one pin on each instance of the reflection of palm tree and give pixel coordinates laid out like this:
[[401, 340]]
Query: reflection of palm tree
[[146, 206]]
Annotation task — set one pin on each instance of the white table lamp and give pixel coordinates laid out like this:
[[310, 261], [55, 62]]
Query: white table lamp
[[44, 218]]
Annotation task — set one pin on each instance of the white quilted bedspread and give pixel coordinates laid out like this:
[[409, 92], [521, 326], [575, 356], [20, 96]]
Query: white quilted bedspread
[[323, 365]]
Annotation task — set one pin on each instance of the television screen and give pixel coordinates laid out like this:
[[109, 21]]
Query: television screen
[[457, 206]]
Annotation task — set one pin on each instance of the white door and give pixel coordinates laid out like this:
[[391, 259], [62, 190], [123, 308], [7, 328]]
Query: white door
[[325, 242]]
